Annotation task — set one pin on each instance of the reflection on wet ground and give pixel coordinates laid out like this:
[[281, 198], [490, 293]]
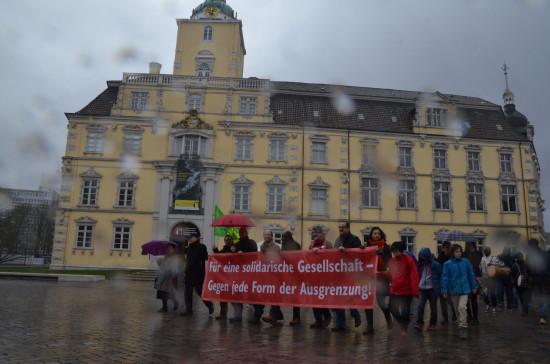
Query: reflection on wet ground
[[118, 322]]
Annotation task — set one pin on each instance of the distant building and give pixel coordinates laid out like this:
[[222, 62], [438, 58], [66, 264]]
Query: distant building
[[153, 154], [28, 218]]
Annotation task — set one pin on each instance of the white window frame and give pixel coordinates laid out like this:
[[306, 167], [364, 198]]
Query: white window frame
[[474, 160], [132, 142], [95, 138], [436, 117], [405, 157], [84, 235], [408, 236], [368, 154], [406, 194], [248, 105], [506, 165], [139, 100], [195, 102], [318, 205], [244, 147], [203, 70], [509, 198], [477, 195], [318, 154], [440, 159], [208, 33], [442, 195], [122, 235], [370, 192], [241, 198], [89, 192], [277, 149], [275, 196]]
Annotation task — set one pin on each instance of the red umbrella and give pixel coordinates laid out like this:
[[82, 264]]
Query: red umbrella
[[157, 247], [232, 220]]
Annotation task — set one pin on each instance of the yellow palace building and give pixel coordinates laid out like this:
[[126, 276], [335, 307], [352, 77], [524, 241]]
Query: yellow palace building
[[155, 153]]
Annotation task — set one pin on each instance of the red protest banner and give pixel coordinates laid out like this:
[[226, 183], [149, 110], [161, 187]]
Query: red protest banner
[[328, 278]]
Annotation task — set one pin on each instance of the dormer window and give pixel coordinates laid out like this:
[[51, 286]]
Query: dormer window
[[436, 117]]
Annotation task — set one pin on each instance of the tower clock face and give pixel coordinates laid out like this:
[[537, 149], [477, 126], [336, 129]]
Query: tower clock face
[[211, 12]]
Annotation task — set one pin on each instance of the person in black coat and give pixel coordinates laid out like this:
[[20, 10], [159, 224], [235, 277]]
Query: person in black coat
[[196, 256]]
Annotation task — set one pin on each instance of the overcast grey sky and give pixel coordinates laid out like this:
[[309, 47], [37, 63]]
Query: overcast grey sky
[[56, 55]]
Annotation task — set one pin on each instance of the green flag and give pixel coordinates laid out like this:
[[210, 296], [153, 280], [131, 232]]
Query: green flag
[[219, 231], [223, 231]]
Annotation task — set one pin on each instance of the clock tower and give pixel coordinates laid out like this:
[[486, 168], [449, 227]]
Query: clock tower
[[210, 43]]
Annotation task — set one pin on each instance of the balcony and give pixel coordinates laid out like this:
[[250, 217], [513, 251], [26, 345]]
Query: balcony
[[147, 79]]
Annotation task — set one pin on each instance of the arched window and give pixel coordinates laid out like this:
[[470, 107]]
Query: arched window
[[207, 33]]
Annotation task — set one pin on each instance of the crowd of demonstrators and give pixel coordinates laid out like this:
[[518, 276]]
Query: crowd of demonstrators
[[457, 277]]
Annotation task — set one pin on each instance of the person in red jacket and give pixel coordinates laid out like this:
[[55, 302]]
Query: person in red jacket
[[404, 284]]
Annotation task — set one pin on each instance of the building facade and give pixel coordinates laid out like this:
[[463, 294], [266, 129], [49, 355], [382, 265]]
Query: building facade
[[154, 154]]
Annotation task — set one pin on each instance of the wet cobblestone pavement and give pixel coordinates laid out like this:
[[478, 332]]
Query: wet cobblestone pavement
[[118, 322]]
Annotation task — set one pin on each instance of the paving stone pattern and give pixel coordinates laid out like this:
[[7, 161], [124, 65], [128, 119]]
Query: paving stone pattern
[[118, 322]]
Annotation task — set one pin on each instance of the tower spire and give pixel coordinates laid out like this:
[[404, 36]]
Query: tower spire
[[508, 95]]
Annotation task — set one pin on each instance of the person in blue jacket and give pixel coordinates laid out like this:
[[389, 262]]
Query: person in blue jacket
[[458, 282], [429, 273]]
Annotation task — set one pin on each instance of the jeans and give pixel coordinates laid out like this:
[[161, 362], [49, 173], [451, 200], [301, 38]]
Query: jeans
[[540, 295], [472, 306], [491, 298], [399, 306], [223, 309], [237, 310], [431, 296], [341, 316], [258, 311]]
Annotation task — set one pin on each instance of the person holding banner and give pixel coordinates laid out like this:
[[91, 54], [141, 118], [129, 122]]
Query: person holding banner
[[404, 284], [244, 245], [227, 248], [346, 240], [275, 313], [377, 238], [319, 244], [268, 248]]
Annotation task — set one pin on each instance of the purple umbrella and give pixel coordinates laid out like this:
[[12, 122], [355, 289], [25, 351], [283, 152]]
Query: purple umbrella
[[157, 247], [454, 235]]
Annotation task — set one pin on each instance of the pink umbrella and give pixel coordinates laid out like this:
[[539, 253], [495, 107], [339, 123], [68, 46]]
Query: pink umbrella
[[232, 220]]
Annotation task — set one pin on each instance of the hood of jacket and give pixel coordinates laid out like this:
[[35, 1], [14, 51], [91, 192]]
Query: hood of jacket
[[426, 254]]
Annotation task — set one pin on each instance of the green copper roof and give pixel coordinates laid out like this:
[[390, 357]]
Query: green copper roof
[[220, 4]]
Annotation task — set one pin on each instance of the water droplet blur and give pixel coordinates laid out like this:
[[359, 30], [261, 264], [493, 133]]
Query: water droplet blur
[[130, 163], [126, 54], [342, 102], [458, 127], [85, 60]]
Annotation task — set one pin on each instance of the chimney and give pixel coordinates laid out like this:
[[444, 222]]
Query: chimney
[[154, 68]]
